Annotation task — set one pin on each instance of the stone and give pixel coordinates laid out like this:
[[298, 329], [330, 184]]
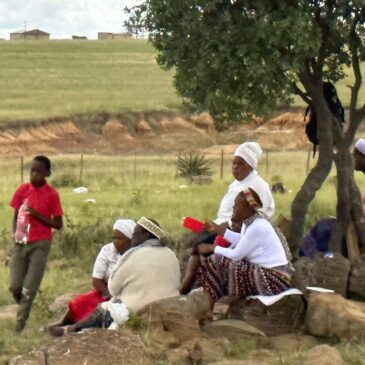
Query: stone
[[326, 272], [8, 311], [292, 342], [324, 355], [284, 316], [113, 348], [331, 315], [357, 278], [233, 330], [215, 349]]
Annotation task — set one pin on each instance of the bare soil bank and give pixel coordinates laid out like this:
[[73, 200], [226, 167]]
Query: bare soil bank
[[150, 132]]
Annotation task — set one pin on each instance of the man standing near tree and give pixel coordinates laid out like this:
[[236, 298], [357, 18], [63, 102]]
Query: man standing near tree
[[359, 162]]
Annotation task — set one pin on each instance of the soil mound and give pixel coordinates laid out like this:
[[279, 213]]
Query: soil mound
[[147, 132]]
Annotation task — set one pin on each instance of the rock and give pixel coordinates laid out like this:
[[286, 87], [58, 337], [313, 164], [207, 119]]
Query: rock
[[292, 342], [61, 302], [174, 322], [214, 349], [233, 330], [357, 278], [324, 355], [8, 311], [330, 273], [113, 348], [331, 315], [284, 316]]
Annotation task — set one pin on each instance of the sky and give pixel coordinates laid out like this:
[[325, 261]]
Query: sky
[[64, 18]]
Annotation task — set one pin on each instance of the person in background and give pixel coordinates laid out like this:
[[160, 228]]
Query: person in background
[[359, 162], [37, 209], [84, 304], [244, 163]]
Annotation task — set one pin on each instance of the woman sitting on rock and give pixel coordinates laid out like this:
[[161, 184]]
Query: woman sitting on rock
[[257, 261], [84, 304], [145, 273]]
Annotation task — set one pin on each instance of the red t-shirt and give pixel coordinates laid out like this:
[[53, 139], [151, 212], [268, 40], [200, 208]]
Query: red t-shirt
[[44, 200]]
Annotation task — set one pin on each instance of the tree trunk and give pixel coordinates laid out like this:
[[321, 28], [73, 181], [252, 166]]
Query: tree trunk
[[305, 195], [318, 174]]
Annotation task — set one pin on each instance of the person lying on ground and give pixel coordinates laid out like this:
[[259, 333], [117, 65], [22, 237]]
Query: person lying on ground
[[147, 272], [256, 263], [244, 165], [84, 304]]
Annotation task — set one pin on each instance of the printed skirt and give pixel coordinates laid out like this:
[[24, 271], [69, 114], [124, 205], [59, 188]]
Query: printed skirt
[[220, 277]]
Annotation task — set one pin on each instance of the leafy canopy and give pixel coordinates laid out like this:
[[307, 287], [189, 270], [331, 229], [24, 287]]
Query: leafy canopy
[[237, 57]]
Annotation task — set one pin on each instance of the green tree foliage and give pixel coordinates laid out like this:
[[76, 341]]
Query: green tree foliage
[[240, 57]]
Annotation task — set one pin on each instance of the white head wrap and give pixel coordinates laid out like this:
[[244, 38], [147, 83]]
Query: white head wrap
[[360, 145], [250, 152], [126, 226]]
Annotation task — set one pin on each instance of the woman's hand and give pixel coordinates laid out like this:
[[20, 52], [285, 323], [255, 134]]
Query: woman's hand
[[215, 228], [205, 248]]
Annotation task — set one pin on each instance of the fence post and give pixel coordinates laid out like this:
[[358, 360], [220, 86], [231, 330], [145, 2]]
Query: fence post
[[308, 162], [81, 168], [21, 169], [222, 163], [267, 163]]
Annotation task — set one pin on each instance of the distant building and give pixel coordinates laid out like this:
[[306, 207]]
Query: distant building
[[30, 34], [79, 37], [108, 35]]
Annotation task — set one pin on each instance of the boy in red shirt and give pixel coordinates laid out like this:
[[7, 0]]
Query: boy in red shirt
[[39, 208]]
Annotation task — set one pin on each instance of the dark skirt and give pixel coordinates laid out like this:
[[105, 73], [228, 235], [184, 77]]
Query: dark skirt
[[221, 277]]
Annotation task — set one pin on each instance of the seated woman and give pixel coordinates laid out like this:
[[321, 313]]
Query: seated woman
[[145, 273], [84, 304], [256, 263], [244, 163]]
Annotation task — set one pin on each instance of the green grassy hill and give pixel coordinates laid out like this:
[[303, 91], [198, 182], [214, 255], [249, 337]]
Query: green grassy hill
[[58, 78]]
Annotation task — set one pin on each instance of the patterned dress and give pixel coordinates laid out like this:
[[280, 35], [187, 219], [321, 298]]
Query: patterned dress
[[221, 276]]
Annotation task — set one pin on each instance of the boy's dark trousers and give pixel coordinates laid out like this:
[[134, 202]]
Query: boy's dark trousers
[[27, 266]]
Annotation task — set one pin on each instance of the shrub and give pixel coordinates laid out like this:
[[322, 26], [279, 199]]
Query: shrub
[[193, 165]]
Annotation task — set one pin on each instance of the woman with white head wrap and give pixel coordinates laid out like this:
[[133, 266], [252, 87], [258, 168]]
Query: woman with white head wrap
[[245, 159], [84, 304]]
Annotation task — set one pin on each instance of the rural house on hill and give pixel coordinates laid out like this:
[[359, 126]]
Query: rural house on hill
[[34, 34]]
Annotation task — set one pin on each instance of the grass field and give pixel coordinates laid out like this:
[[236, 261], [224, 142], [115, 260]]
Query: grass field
[[124, 187], [59, 78]]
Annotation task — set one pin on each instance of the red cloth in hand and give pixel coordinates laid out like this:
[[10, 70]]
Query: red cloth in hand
[[193, 224], [220, 241]]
